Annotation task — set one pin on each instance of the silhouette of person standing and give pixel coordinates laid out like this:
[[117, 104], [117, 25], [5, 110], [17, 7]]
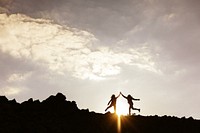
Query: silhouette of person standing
[[130, 102], [112, 102]]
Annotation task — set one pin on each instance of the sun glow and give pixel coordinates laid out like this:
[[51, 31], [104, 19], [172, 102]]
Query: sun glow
[[118, 124], [122, 107]]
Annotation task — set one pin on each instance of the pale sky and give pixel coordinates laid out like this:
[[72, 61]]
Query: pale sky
[[91, 49]]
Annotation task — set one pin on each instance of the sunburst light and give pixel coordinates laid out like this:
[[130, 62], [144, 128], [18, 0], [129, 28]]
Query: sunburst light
[[122, 107]]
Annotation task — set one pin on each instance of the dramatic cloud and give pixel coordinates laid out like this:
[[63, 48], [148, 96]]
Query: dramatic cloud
[[65, 49], [37, 55]]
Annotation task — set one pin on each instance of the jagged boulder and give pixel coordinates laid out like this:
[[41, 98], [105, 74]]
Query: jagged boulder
[[13, 102], [59, 102], [29, 102], [3, 100], [59, 98]]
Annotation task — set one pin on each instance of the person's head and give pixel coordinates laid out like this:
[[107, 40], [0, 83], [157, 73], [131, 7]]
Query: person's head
[[113, 96], [129, 96]]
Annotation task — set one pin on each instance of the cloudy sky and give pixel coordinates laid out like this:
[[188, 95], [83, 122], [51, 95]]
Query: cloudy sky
[[89, 50]]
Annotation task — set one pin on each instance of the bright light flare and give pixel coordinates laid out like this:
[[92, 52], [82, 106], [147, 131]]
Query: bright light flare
[[118, 124], [122, 107]]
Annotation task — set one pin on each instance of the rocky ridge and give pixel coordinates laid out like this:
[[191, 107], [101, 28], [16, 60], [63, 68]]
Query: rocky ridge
[[57, 115]]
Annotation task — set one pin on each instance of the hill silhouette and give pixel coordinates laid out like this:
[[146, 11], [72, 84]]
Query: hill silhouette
[[57, 115]]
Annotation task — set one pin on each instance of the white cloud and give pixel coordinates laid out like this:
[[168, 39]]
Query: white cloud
[[18, 77], [64, 49], [169, 17], [9, 91]]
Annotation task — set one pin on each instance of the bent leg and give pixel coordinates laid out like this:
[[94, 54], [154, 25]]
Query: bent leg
[[136, 109]]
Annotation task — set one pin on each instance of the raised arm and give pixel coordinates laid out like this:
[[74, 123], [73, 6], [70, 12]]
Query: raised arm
[[118, 95], [123, 95]]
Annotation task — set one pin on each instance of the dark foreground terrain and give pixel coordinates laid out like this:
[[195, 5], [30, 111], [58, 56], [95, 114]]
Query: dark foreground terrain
[[57, 115]]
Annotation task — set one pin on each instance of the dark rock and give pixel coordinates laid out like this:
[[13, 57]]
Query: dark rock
[[57, 115], [37, 101], [29, 102], [13, 101], [3, 100], [60, 97]]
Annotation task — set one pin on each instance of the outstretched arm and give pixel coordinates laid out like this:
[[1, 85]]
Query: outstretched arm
[[118, 95], [136, 99], [123, 95], [109, 102]]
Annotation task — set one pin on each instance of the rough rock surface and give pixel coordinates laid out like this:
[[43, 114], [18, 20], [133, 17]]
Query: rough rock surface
[[57, 115]]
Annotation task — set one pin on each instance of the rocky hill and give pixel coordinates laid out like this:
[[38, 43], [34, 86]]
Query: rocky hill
[[57, 115]]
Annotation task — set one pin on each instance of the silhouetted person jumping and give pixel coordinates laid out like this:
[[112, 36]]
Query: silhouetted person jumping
[[112, 102], [130, 102]]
